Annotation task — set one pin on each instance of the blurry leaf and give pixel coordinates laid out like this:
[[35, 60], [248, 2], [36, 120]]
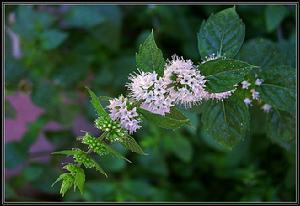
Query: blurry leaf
[[83, 16], [45, 94], [32, 173], [96, 104], [109, 33], [30, 22], [98, 190], [288, 49], [281, 128], [139, 188], [52, 38], [274, 15], [149, 57], [154, 163], [130, 143], [115, 153], [278, 88], [180, 146], [226, 121], [112, 164], [15, 154], [172, 120], [223, 74], [222, 34]]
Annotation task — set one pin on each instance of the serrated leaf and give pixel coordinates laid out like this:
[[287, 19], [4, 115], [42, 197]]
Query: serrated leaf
[[274, 14], [130, 143], [280, 128], [222, 34], [96, 104], [226, 121], [223, 74], [66, 184], [79, 179], [99, 168], [149, 57], [78, 174], [278, 88], [115, 153], [172, 120]]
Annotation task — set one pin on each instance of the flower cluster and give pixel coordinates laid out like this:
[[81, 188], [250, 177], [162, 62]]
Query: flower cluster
[[151, 91], [185, 83], [180, 84], [255, 95], [119, 111]]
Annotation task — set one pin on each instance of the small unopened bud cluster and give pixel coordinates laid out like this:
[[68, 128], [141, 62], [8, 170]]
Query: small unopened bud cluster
[[82, 158], [112, 128], [94, 144]]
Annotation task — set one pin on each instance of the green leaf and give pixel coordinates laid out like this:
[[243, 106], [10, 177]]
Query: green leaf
[[96, 104], [78, 174], [172, 120], [66, 184], [274, 14], [223, 74], [281, 128], [99, 168], [115, 153], [130, 143], [226, 121], [79, 180], [52, 38], [150, 58], [278, 88], [222, 34], [262, 53]]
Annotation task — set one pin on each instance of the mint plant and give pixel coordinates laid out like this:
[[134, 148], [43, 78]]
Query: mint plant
[[221, 87]]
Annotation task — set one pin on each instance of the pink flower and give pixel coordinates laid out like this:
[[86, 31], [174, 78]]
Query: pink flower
[[185, 83], [151, 91], [119, 111]]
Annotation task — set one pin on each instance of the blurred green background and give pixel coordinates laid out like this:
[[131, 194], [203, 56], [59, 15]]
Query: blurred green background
[[53, 51]]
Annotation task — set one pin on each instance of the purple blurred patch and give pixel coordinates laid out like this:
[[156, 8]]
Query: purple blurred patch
[[26, 110], [14, 130], [82, 124]]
